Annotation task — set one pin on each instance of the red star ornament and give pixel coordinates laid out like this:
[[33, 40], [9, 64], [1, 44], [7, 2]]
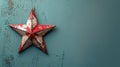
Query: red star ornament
[[32, 33]]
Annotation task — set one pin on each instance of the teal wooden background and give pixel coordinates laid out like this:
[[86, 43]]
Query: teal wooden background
[[87, 33]]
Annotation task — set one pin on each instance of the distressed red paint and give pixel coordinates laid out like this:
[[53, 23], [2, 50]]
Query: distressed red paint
[[28, 30], [20, 47], [31, 29], [41, 27], [32, 14]]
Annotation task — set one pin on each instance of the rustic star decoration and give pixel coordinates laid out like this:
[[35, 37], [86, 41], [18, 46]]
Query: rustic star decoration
[[32, 33]]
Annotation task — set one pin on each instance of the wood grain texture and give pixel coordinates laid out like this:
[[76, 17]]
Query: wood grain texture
[[17, 11], [87, 33]]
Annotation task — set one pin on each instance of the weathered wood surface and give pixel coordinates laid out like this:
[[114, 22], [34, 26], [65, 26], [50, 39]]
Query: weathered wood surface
[[17, 11], [87, 33]]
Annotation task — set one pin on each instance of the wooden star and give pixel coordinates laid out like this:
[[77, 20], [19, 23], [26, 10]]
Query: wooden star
[[32, 33]]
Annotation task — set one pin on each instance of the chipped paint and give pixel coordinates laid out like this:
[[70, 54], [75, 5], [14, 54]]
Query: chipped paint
[[8, 61], [10, 4]]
